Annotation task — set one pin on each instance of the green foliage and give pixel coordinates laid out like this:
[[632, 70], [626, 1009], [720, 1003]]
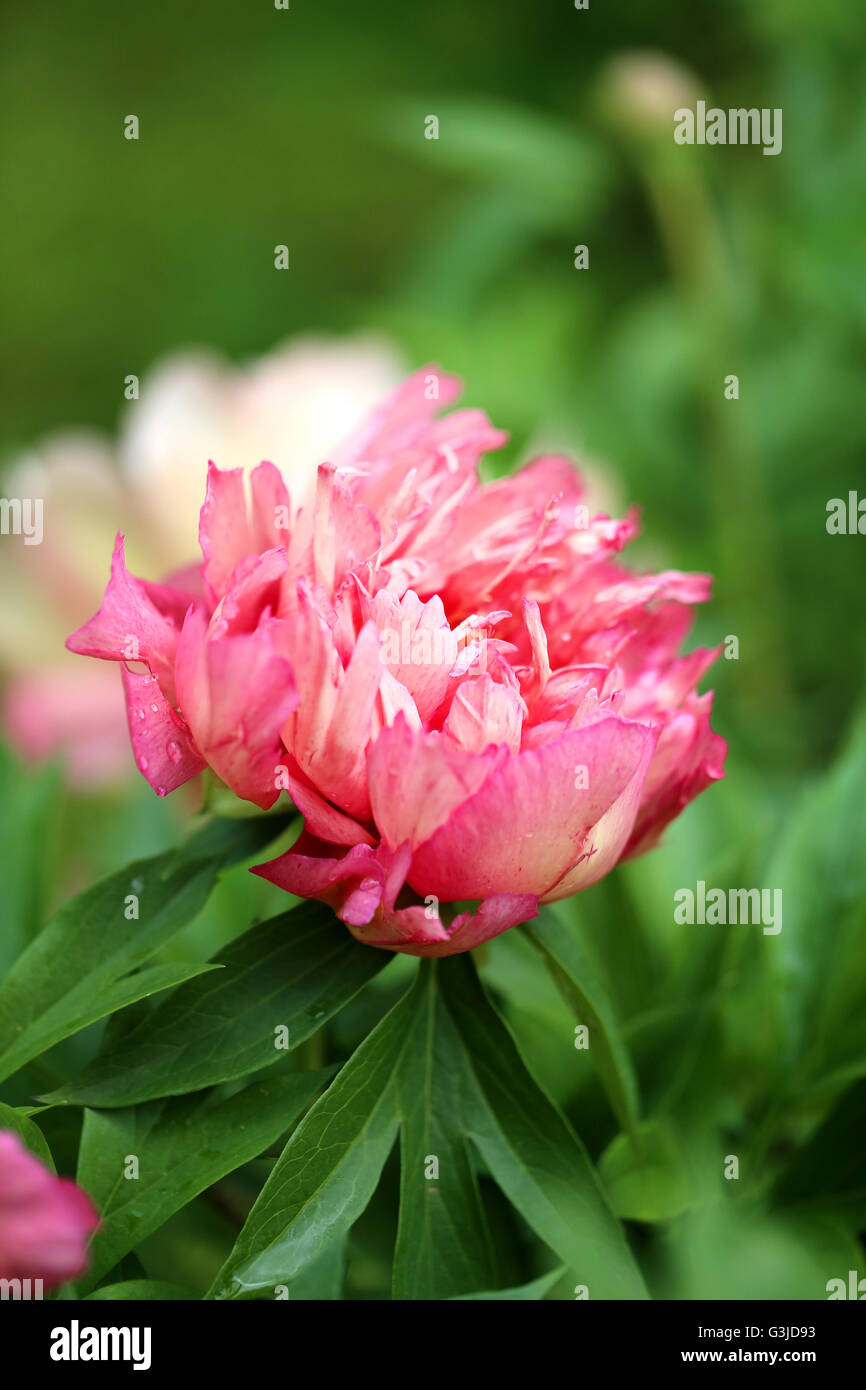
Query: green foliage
[[443, 1065]]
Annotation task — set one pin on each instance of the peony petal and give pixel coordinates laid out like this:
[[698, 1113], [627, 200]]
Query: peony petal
[[527, 825], [418, 780], [223, 531], [128, 626], [164, 751]]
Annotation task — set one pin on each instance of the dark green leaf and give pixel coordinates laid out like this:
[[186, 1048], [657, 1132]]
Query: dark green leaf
[[73, 973], [442, 1062], [294, 971], [328, 1171], [530, 1149], [178, 1148], [443, 1245]]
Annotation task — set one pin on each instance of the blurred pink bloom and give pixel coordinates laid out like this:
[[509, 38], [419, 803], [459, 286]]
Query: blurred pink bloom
[[45, 1221], [291, 406], [466, 695]]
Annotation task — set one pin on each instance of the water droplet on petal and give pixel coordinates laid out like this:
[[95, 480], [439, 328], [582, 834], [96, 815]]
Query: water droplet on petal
[[155, 709], [160, 791], [142, 763], [173, 751], [141, 714]]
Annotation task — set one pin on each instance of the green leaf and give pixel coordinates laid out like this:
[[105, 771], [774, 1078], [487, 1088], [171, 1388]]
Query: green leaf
[[180, 1147], [643, 1174], [322, 1280], [74, 972], [820, 866], [827, 1172], [443, 1244], [29, 1133], [328, 1171], [30, 799], [141, 1290], [78, 1008], [526, 1293], [579, 979], [444, 1064], [530, 1149], [294, 971]]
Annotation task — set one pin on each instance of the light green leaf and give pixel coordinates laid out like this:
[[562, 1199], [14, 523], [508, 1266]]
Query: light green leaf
[[29, 1133], [579, 979], [526, 1293], [294, 971], [643, 1174], [141, 1290]]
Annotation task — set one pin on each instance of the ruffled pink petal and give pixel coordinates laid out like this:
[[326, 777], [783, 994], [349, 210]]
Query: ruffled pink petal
[[415, 932], [485, 712], [401, 418], [271, 508], [529, 822], [689, 757], [417, 645], [321, 818], [128, 626], [361, 885], [418, 780], [236, 693], [161, 743], [223, 530], [606, 842]]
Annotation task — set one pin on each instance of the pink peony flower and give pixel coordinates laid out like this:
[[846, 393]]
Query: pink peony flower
[[300, 399], [464, 692], [45, 1221]]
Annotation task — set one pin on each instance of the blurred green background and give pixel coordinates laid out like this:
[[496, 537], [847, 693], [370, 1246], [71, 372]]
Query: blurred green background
[[306, 127]]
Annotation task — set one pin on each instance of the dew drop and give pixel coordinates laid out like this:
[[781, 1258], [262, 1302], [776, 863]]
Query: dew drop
[[173, 751], [142, 763], [155, 709]]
